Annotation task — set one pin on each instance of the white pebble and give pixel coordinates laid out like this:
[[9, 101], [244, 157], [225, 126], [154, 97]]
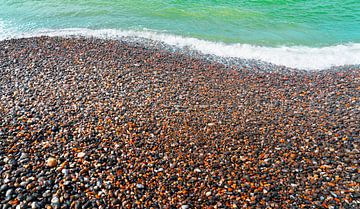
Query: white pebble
[[140, 186], [184, 207], [81, 154]]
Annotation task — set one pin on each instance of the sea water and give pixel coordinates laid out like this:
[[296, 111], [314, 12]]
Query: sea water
[[307, 34]]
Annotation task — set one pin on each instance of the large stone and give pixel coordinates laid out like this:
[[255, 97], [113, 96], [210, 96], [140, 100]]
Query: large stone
[[51, 162]]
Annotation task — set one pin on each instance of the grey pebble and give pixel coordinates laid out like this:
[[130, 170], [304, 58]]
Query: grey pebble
[[9, 192], [4, 187]]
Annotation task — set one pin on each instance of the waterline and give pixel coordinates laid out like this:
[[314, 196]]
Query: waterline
[[301, 57]]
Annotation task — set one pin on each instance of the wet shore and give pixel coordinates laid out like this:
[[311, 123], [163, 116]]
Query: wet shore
[[89, 123]]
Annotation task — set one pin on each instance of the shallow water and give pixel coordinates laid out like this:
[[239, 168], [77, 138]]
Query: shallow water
[[295, 33]]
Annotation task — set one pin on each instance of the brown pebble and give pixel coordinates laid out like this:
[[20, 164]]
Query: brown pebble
[[51, 162]]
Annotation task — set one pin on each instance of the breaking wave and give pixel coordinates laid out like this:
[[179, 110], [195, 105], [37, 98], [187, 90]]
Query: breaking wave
[[301, 57]]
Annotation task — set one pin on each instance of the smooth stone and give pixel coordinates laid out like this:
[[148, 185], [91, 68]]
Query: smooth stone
[[20, 197], [140, 186], [184, 206], [51, 162], [13, 162], [54, 128], [4, 187], [208, 194], [23, 184], [98, 183], [47, 193], [34, 205], [9, 192], [23, 156], [333, 194], [159, 170], [55, 201], [197, 170], [81, 154], [7, 198], [65, 172]]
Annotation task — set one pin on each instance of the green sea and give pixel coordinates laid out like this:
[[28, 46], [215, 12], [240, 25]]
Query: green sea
[[309, 34]]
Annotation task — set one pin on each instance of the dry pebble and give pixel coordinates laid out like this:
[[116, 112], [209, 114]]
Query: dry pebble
[[88, 123], [51, 162]]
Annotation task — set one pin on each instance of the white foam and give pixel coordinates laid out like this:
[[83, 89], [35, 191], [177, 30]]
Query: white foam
[[2, 28], [301, 57], [6, 31]]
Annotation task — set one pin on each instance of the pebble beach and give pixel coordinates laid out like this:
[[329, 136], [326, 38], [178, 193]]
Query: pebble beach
[[92, 123]]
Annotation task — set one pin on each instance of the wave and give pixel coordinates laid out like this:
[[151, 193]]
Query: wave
[[301, 57]]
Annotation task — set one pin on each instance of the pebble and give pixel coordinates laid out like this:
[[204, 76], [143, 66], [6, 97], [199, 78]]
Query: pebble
[[9, 192], [55, 200], [23, 156], [159, 170], [51, 162], [65, 172], [47, 193], [81, 154], [333, 194], [3, 187], [197, 170]]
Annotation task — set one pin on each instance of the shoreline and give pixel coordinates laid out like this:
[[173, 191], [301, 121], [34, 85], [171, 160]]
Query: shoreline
[[106, 123], [301, 57]]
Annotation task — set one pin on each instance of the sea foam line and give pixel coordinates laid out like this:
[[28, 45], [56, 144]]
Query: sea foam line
[[301, 57]]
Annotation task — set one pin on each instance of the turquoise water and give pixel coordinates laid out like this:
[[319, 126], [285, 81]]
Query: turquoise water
[[274, 24]]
